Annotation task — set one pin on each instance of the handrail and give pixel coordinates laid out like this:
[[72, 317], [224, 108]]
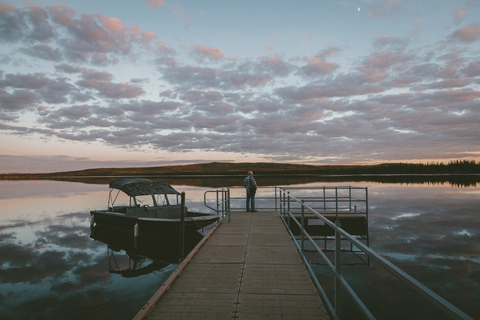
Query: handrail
[[224, 203], [438, 301], [325, 199]]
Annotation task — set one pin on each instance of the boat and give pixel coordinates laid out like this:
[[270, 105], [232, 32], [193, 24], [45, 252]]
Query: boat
[[148, 206]]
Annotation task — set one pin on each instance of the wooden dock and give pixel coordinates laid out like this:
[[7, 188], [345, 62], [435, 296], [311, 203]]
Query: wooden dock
[[248, 268]]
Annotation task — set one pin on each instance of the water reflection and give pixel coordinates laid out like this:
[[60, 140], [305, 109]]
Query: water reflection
[[432, 233], [50, 267], [156, 248], [460, 180]]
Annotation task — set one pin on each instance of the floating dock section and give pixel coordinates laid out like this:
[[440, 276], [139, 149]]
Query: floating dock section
[[248, 268]]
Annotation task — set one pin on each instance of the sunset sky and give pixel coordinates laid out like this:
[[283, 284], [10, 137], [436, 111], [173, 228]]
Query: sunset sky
[[116, 83]]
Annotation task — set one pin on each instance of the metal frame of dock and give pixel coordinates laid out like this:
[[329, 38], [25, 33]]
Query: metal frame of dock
[[255, 267], [247, 269]]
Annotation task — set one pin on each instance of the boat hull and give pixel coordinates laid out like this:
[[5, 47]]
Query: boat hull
[[152, 225]]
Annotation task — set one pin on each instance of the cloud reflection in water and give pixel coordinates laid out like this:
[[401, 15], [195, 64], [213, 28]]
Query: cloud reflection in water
[[51, 268]]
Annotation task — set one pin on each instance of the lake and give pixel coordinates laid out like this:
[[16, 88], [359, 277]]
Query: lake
[[53, 266]]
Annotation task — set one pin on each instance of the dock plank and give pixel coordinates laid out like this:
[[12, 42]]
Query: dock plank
[[247, 269]]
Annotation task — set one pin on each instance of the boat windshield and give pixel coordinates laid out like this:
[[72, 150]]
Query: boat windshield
[[146, 200], [119, 198], [174, 199], [161, 199]]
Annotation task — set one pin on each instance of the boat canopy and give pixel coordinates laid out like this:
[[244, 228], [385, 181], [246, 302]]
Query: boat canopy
[[141, 186]]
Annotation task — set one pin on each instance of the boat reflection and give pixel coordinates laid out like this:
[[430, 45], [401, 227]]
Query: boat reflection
[[144, 254]]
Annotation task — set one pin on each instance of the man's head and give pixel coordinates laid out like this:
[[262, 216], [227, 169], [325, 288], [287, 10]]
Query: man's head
[[250, 173]]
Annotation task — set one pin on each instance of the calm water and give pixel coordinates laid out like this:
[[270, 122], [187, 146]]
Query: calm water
[[53, 268]]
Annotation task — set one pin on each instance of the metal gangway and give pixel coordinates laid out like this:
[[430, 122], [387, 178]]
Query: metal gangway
[[320, 202]]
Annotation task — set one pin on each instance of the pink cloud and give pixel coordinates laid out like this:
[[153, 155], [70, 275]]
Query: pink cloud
[[26, 81], [472, 69], [460, 12], [182, 14], [114, 25], [97, 75], [318, 65], [467, 34], [240, 81], [95, 36], [275, 64], [144, 37], [101, 59], [164, 48], [112, 90], [63, 15], [44, 51], [102, 82], [156, 3], [42, 29], [208, 52], [372, 77], [384, 60], [5, 7], [458, 95], [69, 69]]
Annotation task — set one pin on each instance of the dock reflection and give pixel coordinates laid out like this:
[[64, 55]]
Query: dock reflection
[[356, 224]]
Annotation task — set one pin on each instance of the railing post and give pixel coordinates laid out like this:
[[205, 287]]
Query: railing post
[[324, 200], [223, 202], [338, 248], [228, 203], [336, 205], [338, 285], [350, 197], [280, 202], [217, 201], [366, 216], [366, 203], [182, 228], [288, 212], [275, 198], [302, 222]]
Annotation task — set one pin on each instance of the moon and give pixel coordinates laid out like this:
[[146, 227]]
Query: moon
[[358, 9]]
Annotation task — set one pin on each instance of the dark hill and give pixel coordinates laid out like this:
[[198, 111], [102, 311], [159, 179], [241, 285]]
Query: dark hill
[[261, 168]]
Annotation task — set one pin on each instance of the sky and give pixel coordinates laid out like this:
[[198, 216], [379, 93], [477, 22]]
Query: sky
[[89, 84]]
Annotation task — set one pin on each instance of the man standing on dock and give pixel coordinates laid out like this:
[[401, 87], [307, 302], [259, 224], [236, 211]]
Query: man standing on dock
[[251, 185]]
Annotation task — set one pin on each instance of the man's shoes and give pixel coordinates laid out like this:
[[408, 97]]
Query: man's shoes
[[248, 210], [254, 211]]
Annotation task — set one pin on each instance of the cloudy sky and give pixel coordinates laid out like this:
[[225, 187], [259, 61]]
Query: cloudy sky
[[87, 84]]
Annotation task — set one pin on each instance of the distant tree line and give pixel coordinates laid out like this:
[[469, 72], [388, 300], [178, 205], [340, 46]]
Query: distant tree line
[[265, 169], [453, 167]]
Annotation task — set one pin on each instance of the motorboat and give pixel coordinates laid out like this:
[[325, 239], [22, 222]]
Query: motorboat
[[146, 206]]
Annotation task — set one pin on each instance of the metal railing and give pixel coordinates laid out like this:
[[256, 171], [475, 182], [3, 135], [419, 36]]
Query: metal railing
[[339, 200], [222, 203], [286, 199], [324, 198]]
